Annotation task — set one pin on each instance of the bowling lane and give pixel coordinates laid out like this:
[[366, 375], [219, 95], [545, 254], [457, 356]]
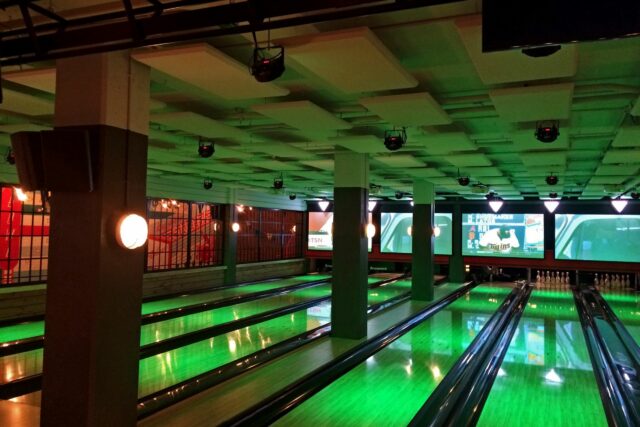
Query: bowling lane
[[626, 306], [390, 386], [546, 378], [172, 367], [36, 328]]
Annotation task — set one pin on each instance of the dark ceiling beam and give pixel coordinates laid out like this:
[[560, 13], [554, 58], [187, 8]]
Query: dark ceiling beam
[[183, 25]]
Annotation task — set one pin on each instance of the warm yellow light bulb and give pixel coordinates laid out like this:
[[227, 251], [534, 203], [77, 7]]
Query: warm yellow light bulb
[[132, 231]]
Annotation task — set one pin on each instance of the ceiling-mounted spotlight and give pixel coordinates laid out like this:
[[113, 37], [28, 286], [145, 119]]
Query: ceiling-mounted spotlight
[[399, 195], [464, 181], [553, 195], [547, 131], [292, 196], [541, 51], [635, 195], [278, 183], [10, 157], [395, 139], [552, 179], [619, 204], [267, 63], [205, 148], [207, 184]]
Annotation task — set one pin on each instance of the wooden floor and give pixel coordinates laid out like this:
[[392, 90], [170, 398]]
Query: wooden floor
[[19, 414]]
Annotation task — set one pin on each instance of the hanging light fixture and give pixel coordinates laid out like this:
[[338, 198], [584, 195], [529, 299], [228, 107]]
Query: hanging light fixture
[[323, 204], [551, 205], [619, 204]]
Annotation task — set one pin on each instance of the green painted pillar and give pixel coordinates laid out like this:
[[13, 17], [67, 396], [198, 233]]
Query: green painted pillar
[[230, 250], [94, 288], [422, 241], [456, 262], [349, 284]]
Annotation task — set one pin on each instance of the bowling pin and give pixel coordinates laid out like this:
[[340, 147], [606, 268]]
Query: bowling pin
[[596, 282]]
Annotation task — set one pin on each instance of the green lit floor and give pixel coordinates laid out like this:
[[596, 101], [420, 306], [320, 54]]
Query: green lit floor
[[546, 378], [389, 387], [626, 306], [36, 329]]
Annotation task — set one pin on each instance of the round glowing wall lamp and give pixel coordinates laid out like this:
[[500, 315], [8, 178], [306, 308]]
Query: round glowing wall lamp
[[131, 231], [371, 231], [235, 227], [436, 231]]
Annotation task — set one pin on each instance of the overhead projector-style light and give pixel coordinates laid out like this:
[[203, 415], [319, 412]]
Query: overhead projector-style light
[[551, 205], [619, 204], [395, 139]]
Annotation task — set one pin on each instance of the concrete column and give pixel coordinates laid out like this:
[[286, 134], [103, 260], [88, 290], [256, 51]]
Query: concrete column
[[456, 262], [94, 289], [230, 251], [422, 241], [349, 297]]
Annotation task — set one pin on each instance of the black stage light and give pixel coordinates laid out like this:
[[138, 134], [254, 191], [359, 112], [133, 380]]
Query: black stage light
[[278, 183], [464, 181], [395, 139], [292, 196], [541, 51], [207, 184], [399, 195], [266, 67], [547, 131], [10, 157], [206, 149], [635, 195], [551, 179], [553, 195]]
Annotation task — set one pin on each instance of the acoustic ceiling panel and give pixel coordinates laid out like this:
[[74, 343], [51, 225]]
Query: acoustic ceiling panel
[[274, 165], [43, 79], [531, 103], [21, 103], [481, 171], [544, 162], [414, 109], [450, 142], [513, 66], [361, 144], [198, 125], [324, 164], [424, 173], [303, 115], [278, 149], [627, 136], [209, 69], [464, 160], [609, 170], [400, 161], [622, 156], [353, 61], [612, 179]]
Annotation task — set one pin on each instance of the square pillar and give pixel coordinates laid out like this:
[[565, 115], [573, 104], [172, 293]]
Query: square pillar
[[456, 261], [230, 251], [422, 241]]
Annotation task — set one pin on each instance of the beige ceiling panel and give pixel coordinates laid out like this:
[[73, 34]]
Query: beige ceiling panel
[[512, 66], [424, 173], [621, 156], [531, 103], [361, 144], [609, 170], [451, 142], [210, 70], [228, 153], [43, 79], [627, 136], [303, 115], [25, 104], [324, 164], [229, 168], [274, 165], [464, 160], [278, 149], [525, 140], [353, 61], [399, 161], [481, 171], [612, 179], [198, 125], [542, 162], [23, 127], [414, 109], [171, 168]]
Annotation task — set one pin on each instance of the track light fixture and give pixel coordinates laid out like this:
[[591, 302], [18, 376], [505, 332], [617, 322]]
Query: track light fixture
[[267, 63], [547, 131], [205, 148], [395, 139]]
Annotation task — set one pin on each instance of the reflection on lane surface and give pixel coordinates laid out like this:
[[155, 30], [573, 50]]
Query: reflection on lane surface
[[390, 386], [546, 378], [626, 306]]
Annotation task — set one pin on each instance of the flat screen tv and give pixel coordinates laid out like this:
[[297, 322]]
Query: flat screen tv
[[320, 237], [395, 236], [597, 237], [503, 235]]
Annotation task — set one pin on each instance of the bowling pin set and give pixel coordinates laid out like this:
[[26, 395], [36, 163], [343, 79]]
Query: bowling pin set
[[611, 281], [552, 279]]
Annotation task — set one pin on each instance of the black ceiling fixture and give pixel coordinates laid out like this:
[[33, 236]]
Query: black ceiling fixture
[[207, 184], [464, 180], [399, 195], [205, 148], [169, 21], [635, 195], [278, 183], [10, 157], [395, 139], [551, 179], [292, 196], [553, 195], [541, 51], [267, 63], [547, 131]]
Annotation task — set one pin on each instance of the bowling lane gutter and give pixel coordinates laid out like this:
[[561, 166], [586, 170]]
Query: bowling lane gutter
[[288, 398], [459, 398], [33, 343], [29, 384], [614, 363]]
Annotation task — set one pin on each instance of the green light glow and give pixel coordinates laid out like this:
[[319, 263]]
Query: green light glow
[[626, 306], [389, 387], [546, 377]]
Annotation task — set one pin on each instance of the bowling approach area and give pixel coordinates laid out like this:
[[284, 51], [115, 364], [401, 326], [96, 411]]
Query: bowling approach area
[[306, 213]]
